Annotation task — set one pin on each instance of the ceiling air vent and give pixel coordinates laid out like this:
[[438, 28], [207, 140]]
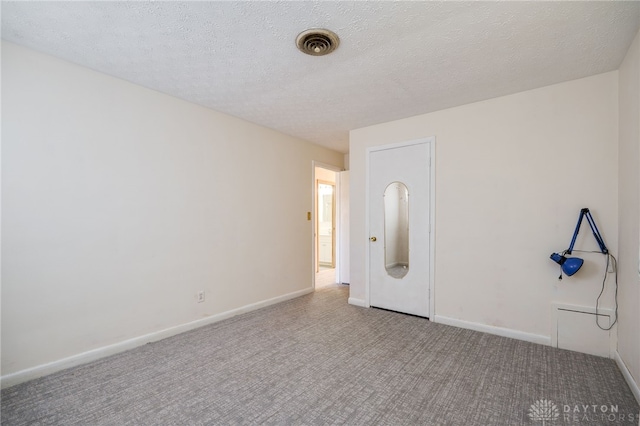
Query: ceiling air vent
[[317, 41]]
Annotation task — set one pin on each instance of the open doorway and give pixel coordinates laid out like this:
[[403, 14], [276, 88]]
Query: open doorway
[[325, 227]]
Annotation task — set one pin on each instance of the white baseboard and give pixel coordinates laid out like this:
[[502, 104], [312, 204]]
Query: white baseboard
[[627, 376], [499, 331], [357, 302], [95, 354]]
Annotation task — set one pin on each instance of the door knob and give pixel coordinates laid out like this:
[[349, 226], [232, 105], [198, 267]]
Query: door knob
[[373, 239]]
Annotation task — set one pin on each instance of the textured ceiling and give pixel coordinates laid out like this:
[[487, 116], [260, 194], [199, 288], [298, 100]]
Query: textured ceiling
[[395, 60]]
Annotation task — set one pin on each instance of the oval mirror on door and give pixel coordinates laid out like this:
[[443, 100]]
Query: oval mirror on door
[[396, 229]]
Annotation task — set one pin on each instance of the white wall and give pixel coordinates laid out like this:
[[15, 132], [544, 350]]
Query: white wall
[[121, 203], [629, 210], [511, 176]]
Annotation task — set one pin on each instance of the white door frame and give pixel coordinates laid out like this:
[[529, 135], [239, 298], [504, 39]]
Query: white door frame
[[432, 211], [314, 210]]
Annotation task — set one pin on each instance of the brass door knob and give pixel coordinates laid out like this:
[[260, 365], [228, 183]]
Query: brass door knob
[[373, 239]]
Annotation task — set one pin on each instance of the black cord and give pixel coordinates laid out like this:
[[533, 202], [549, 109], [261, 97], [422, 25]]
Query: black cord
[[614, 265]]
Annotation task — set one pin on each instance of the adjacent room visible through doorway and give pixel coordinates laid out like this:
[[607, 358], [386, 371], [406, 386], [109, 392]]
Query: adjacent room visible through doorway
[[325, 235]]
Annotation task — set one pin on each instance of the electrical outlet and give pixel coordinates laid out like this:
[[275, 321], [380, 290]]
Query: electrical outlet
[[201, 296]]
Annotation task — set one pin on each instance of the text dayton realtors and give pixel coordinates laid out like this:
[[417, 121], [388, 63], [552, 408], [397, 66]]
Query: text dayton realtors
[[594, 413]]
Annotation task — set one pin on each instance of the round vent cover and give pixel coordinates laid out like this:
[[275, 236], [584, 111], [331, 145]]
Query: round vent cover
[[317, 41]]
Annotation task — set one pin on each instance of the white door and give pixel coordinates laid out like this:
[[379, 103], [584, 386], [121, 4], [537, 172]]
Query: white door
[[399, 226]]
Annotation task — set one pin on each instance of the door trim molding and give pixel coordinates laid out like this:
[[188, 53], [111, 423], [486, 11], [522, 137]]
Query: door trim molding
[[432, 227], [431, 140], [357, 302]]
